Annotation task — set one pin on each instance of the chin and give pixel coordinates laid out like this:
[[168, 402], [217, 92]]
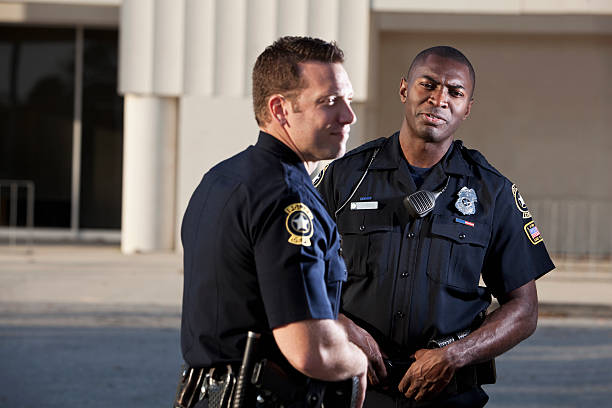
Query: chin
[[333, 153], [433, 136]]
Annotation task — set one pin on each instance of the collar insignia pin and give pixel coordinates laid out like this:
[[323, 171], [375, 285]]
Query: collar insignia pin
[[466, 203]]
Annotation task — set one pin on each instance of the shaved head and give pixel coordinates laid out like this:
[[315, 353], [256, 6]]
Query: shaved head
[[443, 51]]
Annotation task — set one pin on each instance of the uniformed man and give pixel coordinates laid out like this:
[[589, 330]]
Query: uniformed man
[[261, 253], [422, 219]]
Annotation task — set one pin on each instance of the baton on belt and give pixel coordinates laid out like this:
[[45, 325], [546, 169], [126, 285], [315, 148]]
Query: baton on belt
[[246, 368]]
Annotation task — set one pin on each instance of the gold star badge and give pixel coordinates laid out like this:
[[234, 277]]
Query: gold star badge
[[299, 224]]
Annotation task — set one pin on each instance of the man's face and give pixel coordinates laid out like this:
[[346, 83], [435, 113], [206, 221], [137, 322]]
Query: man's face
[[320, 118], [437, 98]]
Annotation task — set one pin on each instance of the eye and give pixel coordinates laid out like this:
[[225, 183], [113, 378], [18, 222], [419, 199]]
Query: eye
[[456, 93], [428, 85], [331, 100]]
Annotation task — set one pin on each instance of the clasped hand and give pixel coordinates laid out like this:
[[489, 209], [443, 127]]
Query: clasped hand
[[430, 373]]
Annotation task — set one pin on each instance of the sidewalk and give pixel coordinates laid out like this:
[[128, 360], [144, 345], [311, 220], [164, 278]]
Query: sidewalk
[[94, 277]]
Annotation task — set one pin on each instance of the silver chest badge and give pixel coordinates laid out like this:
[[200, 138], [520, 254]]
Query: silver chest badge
[[466, 203]]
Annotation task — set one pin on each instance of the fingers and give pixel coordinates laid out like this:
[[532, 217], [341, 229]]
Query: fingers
[[372, 377], [375, 359], [378, 365], [404, 383]]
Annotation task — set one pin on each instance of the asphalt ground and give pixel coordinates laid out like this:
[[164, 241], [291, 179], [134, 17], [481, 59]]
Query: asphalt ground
[[88, 326]]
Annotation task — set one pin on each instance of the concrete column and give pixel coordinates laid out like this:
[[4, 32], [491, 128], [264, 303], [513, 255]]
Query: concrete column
[[231, 18], [149, 172]]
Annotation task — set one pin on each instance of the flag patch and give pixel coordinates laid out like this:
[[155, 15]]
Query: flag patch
[[464, 222], [533, 233]]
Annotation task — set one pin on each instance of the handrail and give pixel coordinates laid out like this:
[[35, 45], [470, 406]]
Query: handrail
[[14, 186]]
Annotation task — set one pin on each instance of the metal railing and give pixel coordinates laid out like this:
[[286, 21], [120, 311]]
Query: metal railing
[[13, 187]]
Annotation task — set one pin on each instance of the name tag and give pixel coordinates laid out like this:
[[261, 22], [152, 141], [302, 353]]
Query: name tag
[[364, 205]]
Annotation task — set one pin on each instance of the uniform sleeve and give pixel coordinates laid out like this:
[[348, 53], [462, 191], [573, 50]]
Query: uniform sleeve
[[516, 254], [290, 251]]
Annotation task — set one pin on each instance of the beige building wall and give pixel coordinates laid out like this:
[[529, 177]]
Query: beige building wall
[[543, 95], [541, 116]]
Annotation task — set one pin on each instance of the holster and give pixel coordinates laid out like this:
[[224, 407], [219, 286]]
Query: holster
[[275, 387], [219, 389], [189, 387], [216, 384]]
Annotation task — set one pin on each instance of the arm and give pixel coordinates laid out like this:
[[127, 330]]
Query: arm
[[511, 323], [362, 339], [319, 348]]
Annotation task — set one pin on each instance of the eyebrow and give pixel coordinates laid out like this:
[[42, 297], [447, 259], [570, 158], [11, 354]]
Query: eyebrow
[[437, 82]]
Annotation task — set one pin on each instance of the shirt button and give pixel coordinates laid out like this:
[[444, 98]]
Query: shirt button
[[404, 274], [361, 227], [399, 315], [462, 236], [411, 235]]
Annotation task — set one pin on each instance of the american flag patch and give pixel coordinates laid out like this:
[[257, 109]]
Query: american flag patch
[[533, 233], [464, 222]]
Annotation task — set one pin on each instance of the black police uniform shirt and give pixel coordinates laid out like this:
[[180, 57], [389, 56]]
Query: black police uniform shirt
[[412, 279], [260, 251]]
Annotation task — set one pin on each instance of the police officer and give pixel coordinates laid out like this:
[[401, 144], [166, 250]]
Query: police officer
[[422, 219], [261, 253]]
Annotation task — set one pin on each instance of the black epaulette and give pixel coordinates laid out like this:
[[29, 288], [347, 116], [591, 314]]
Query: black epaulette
[[365, 147], [477, 158]]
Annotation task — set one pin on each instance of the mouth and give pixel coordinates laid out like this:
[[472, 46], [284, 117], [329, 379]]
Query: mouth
[[341, 132], [433, 119]]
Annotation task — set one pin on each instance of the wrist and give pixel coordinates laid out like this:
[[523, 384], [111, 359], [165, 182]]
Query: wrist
[[455, 355]]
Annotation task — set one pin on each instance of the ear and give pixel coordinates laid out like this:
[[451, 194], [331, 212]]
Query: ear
[[403, 90], [276, 107], [469, 109]]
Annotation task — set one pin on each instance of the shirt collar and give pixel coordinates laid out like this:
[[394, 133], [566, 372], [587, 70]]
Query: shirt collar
[[390, 157], [271, 144]]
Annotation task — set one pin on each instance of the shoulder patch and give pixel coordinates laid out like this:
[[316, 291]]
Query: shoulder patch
[[520, 203], [317, 180], [299, 224], [533, 233]]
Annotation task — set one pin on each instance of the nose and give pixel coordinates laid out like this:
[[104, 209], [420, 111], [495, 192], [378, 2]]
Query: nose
[[439, 97], [347, 115]]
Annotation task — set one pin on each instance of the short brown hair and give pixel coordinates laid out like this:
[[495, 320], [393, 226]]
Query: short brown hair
[[277, 71]]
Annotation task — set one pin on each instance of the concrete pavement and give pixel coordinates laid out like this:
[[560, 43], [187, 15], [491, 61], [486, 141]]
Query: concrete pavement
[[88, 326], [100, 277]]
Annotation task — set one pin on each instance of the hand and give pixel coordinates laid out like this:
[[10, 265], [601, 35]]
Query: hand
[[428, 375], [362, 339]]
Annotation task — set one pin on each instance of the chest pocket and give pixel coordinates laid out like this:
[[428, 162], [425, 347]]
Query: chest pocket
[[367, 237], [457, 252]]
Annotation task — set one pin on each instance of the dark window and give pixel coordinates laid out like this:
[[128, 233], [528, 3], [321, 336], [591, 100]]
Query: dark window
[[102, 133], [36, 119]]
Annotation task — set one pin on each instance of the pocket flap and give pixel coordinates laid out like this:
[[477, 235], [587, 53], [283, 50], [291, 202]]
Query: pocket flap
[[364, 222]]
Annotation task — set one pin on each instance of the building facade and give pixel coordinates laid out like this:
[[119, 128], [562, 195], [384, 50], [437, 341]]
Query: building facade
[[119, 107]]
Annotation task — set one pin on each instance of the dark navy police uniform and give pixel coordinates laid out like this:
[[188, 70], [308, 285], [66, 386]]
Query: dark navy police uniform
[[260, 251], [413, 279]]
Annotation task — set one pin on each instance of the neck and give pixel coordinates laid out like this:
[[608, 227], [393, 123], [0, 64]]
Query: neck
[[281, 134], [419, 152]]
